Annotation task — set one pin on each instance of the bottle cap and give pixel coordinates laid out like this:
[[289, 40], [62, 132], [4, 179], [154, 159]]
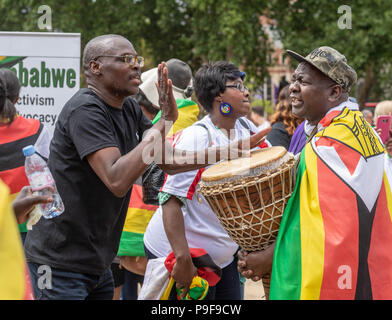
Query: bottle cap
[[28, 151]]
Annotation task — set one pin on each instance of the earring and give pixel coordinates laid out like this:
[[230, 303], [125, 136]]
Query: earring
[[225, 108]]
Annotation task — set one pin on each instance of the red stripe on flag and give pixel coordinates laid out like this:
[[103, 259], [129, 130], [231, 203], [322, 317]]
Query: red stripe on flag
[[326, 121], [136, 200], [349, 157], [20, 128], [340, 220], [15, 179], [380, 257]]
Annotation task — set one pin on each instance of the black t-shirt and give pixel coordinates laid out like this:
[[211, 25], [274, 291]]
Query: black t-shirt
[[278, 136], [85, 238]]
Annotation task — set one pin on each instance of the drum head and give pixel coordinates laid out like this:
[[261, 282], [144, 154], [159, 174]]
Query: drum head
[[240, 166]]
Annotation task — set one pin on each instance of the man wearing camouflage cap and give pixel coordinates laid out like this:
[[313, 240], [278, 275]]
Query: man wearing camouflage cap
[[336, 232]]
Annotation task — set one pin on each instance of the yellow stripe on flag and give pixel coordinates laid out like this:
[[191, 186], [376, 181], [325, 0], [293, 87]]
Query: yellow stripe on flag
[[388, 194], [312, 230], [12, 261], [186, 117], [137, 220], [13, 196]]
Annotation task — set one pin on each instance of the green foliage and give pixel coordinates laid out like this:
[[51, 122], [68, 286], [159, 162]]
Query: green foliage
[[195, 31], [307, 24], [268, 107]]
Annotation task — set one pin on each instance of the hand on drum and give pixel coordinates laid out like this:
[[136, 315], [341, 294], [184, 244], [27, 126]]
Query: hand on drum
[[241, 148], [255, 265], [183, 273]]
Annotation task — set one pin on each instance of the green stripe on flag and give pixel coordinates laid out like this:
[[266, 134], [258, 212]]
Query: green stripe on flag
[[10, 61], [23, 227], [131, 244], [286, 268]]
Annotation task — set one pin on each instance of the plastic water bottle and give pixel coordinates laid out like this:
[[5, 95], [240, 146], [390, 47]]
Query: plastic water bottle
[[42, 182]]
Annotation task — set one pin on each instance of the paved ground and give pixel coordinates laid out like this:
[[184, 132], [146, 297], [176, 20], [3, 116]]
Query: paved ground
[[254, 290]]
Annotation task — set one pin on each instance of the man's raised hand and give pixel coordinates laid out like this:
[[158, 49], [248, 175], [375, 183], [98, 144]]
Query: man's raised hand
[[167, 102]]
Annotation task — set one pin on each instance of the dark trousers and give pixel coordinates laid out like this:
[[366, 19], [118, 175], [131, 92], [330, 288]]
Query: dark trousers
[[55, 284], [131, 281], [228, 287]]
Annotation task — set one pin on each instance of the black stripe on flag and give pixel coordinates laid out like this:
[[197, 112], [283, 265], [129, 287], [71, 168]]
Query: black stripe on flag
[[11, 159], [365, 218]]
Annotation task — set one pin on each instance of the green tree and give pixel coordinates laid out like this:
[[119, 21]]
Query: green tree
[[195, 31], [198, 31], [305, 25]]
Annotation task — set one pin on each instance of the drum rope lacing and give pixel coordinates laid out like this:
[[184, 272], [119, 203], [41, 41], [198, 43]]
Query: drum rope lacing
[[240, 226]]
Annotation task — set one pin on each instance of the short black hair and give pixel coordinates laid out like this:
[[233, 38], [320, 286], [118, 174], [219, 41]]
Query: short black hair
[[12, 93], [210, 81], [12, 83]]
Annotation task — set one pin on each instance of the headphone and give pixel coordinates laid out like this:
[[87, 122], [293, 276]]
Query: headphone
[[187, 92]]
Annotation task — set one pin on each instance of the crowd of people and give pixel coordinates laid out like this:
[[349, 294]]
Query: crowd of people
[[111, 243]]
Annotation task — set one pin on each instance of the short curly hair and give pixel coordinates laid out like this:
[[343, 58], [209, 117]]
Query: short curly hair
[[210, 81]]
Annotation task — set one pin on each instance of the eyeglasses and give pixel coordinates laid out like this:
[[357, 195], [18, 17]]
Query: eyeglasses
[[238, 86], [129, 59]]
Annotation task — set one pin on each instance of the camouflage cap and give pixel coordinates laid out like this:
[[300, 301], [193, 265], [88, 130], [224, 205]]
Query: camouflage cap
[[332, 63]]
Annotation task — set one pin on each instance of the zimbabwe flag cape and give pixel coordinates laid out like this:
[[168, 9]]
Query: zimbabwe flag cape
[[335, 237]]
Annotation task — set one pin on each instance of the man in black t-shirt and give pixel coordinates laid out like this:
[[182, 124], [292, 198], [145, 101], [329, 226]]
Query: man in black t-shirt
[[96, 154]]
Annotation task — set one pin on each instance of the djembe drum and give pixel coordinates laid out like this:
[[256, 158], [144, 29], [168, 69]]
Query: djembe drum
[[249, 195]]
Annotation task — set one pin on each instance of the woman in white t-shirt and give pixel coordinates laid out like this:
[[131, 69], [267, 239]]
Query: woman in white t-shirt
[[184, 219]]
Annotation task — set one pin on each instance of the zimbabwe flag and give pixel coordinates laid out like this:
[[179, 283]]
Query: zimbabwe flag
[[138, 216], [13, 138], [335, 238], [9, 61], [14, 275], [188, 112]]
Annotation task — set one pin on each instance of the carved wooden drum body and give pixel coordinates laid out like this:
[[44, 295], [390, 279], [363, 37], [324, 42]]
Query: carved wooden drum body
[[249, 195]]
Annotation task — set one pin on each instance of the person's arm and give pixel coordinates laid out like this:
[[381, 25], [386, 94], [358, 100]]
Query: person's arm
[[118, 172], [182, 161], [173, 222]]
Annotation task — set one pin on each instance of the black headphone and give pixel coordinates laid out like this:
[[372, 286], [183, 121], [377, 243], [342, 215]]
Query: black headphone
[[189, 89], [187, 92]]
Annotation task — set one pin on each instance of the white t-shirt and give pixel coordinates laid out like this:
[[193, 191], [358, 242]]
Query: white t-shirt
[[202, 227]]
